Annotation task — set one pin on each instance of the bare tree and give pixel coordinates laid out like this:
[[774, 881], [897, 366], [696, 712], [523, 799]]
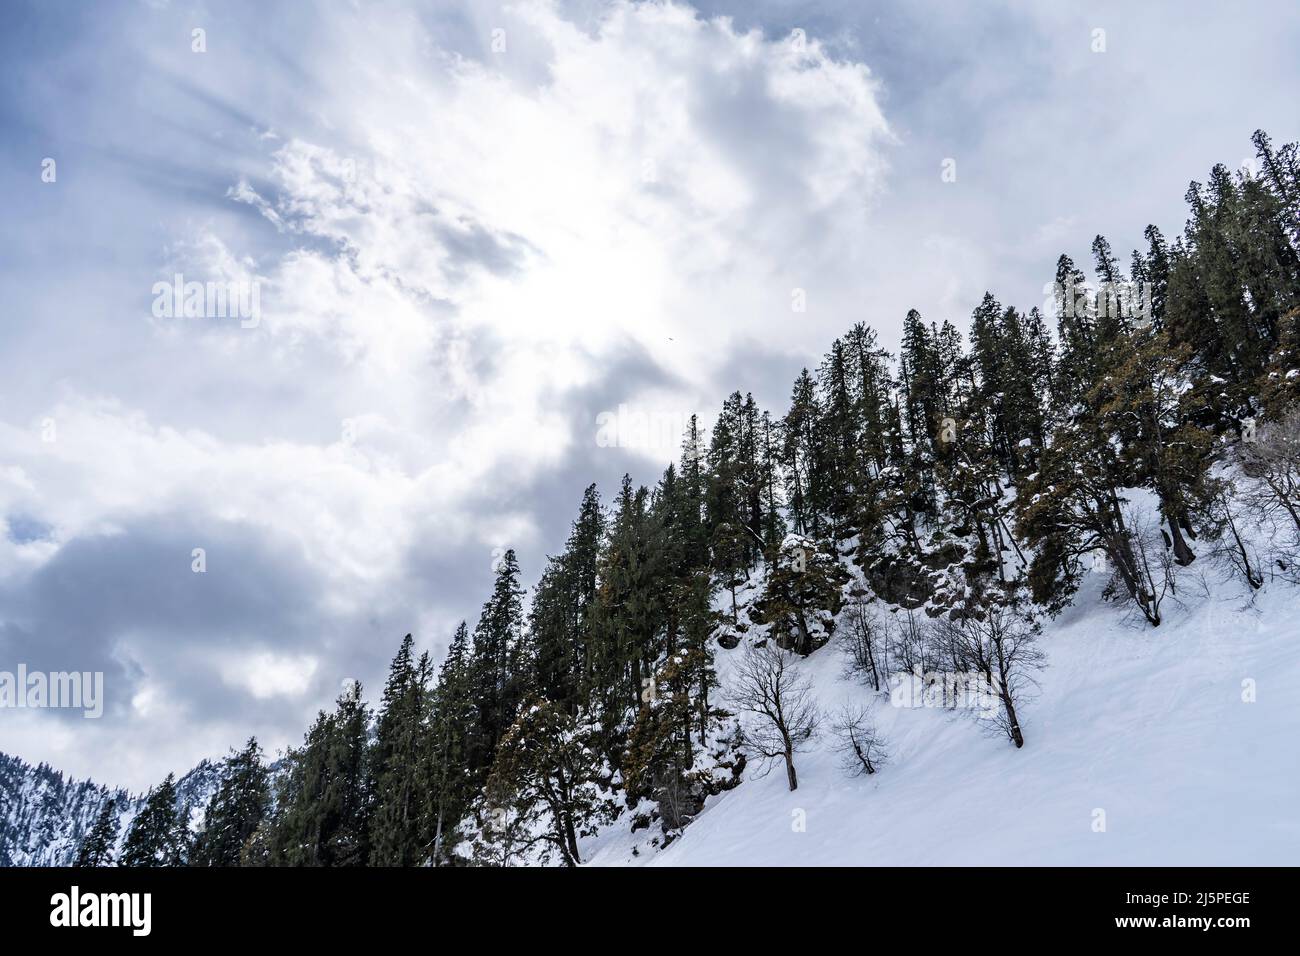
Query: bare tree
[[1155, 561], [912, 647], [999, 643], [1272, 461], [1232, 547], [860, 747], [779, 699], [863, 642]]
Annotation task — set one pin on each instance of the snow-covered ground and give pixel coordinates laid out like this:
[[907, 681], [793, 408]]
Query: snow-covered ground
[[1146, 725]]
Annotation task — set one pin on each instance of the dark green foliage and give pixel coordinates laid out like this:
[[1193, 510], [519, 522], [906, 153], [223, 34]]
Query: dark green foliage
[[955, 475], [802, 594], [400, 765], [548, 769], [157, 835], [235, 811], [325, 798], [98, 846]]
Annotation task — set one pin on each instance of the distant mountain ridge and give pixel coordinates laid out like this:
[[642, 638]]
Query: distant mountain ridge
[[45, 815]]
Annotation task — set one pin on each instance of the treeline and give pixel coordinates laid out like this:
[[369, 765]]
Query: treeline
[[967, 482]]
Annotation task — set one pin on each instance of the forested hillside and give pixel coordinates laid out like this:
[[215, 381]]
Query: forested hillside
[[933, 512]]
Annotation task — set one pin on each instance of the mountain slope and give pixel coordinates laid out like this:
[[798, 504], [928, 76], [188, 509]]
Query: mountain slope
[[1147, 725], [44, 816]]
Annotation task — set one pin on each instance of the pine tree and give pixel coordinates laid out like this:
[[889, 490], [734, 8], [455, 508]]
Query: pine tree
[[871, 385], [496, 639], [924, 395], [1279, 384], [1281, 171], [838, 440], [801, 594], [398, 824], [1081, 360], [694, 533], [156, 834], [800, 459], [771, 523], [1074, 506], [628, 617], [560, 618], [660, 763], [325, 800], [1151, 407], [236, 809], [454, 723], [548, 768], [734, 489], [98, 846]]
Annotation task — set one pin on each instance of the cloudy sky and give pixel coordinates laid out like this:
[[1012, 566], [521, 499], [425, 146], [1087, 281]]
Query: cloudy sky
[[474, 229]]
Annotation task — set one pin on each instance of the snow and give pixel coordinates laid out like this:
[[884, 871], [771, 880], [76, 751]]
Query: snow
[[1146, 724], [44, 816]]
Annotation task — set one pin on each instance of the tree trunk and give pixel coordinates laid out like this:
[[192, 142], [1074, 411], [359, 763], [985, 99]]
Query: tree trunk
[[1255, 582], [1013, 725], [875, 675], [1183, 554], [805, 639], [437, 838], [789, 769], [1121, 554], [571, 839]]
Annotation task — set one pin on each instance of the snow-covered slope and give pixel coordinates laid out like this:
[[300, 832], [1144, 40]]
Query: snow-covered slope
[[44, 816], [1146, 725]]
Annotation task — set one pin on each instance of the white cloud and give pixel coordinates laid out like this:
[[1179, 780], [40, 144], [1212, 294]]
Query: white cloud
[[267, 675], [509, 242], [458, 250]]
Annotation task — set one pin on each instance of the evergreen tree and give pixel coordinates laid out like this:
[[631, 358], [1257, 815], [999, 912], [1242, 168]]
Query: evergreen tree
[[398, 824], [560, 618], [801, 594], [771, 523], [98, 846], [1279, 384], [837, 441], [547, 768], [496, 639], [325, 801], [800, 459], [236, 809], [660, 763], [156, 837], [1151, 407], [628, 615], [453, 727]]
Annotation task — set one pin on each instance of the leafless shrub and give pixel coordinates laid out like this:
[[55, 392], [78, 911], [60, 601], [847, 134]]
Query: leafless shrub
[[1232, 548], [911, 643], [857, 742], [1272, 458]]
